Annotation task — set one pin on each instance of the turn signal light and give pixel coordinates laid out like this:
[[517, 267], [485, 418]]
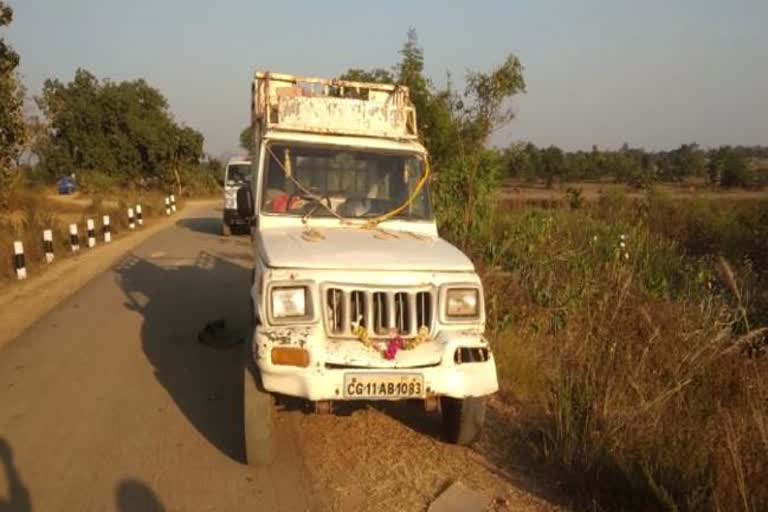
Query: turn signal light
[[289, 356]]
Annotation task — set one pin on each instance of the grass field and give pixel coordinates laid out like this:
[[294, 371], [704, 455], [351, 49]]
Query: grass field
[[518, 191], [630, 333]]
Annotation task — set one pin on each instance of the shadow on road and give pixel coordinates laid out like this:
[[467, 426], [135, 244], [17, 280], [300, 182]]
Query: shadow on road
[[18, 495], [176, 303], [135, 496], [206, 225], [209, 226]]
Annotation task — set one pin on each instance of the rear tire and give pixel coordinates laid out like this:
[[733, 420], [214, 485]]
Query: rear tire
[[258, 415], [463, 420], [226, 230]]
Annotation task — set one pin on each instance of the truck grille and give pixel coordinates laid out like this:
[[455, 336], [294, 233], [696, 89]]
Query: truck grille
[[378, 310]]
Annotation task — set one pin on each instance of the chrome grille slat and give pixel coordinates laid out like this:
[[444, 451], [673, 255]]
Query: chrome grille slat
[[369, 311], [400, 307], [334, 298], [346, 313], [381, 313], [357, 309], [392, 311], [379, 309], [414, 324]]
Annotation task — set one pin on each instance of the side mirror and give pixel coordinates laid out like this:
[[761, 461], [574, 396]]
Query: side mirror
[[245, 206]]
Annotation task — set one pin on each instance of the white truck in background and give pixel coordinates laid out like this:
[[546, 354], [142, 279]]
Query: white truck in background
[[355, 296], [237, 174]]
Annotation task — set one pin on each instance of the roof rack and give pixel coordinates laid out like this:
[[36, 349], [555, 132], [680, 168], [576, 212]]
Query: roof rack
[[330, 106]]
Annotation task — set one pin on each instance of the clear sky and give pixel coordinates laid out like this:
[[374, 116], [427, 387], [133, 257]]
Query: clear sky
[[653, 73]]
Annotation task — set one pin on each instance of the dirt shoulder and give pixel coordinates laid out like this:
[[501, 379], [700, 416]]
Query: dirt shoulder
[[389, 457], [23, 303]]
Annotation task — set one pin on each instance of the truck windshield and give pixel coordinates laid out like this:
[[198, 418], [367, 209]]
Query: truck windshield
[[238, 174], [350, 183]]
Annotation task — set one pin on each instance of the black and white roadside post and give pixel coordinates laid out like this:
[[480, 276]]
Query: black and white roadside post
[[48, 245], [131, 220], [91, 228], [74, 239], [167, 205], [139, 216], [18, 260], [107, 229], [173, 203]]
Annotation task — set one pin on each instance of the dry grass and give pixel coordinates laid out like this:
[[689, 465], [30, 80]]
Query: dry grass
[[32, 212], [515, 191], [393, 461], [640, 379]]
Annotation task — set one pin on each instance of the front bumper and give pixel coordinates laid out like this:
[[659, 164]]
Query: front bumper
[[232, 218], [320, 382]]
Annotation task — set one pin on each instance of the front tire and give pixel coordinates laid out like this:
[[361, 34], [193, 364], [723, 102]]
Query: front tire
[[258, 415], [463, 419]]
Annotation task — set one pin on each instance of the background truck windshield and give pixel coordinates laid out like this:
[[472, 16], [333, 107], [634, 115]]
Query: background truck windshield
[[352, 183], [237, 174]]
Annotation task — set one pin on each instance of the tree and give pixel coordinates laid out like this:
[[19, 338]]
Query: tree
[[489, 109], [455, 128], [376, 76], [215, 167], [37, 136], [121, 131], [187, 150], [676, 165], [553, 164], [247, 140], [12, 130], [729, 166], [473, 170], [517, 162]]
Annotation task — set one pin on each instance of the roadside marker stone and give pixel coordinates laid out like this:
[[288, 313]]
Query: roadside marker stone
[[74, 238], [91, 230], [107, 229], [48, 245], [18, 259]]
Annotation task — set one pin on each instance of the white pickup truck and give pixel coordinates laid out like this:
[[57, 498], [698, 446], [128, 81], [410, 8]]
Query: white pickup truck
[[236, 175], [355, 296]]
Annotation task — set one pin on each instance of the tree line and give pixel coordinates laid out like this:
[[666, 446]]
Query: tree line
[[109, 134], [726, 166]]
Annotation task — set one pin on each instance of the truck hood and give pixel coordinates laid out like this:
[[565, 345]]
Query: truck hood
[[359, 248]]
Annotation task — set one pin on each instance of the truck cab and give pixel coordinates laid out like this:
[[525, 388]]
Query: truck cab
[[237, 174], [355, 295]]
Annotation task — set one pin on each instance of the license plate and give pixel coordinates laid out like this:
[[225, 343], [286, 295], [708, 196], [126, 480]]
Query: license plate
[[387, 386]]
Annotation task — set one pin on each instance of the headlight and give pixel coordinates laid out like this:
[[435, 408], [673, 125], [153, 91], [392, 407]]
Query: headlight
[[462, 303], [289, 302]]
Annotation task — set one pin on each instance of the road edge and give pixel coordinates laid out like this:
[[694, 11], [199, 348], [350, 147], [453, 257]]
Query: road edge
[[22, 304]]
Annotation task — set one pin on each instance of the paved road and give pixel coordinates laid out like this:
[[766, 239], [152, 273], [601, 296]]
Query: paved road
[[109, 403]]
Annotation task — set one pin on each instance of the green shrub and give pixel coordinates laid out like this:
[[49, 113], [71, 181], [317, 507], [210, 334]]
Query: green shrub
[[95, 182]]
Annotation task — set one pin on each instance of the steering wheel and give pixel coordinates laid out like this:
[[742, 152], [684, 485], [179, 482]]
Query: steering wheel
[[317, 200]]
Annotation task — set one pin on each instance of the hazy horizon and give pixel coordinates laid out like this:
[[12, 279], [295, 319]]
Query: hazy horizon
[[652, 74]]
